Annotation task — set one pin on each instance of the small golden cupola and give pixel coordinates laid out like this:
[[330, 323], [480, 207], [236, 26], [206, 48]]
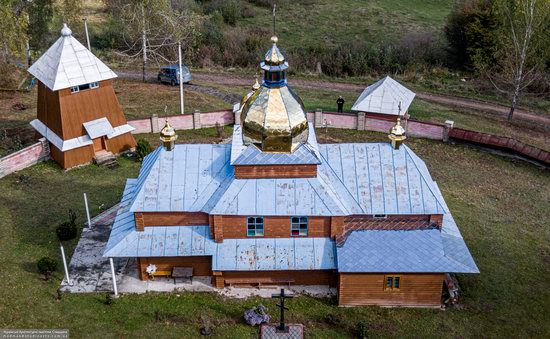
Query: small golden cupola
[[274, 118], [397, 134], [168, 136]]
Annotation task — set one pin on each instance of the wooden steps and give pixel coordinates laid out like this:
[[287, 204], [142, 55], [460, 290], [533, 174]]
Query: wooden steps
[[107, 159]]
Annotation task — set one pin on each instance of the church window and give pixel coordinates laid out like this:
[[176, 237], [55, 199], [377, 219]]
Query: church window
[[255, 227], [392, 282], [298, 226]]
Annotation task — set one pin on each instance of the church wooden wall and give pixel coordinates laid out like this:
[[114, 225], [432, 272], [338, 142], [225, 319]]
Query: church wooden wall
[[234, 227], [87, 105], [170, 219], [48, 109], [121, 143], [202, 265], [74, 157], [275, 171], [355, 289]]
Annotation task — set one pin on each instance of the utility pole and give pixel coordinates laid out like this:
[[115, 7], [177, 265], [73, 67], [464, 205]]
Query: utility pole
[[87, 35], [182, 107]]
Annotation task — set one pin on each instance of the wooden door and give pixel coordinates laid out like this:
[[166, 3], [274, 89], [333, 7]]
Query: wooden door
[[99, 144]]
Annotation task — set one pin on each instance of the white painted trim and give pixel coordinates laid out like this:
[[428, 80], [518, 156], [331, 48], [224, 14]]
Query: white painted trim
[[119, 130], [67, 145]]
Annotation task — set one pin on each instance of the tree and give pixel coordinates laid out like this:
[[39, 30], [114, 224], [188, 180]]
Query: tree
[[524, 47], [13, 26], [471, 33], [152, 29]]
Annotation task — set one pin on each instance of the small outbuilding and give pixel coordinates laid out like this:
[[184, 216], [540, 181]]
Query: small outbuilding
[[78, 111], [382, 99]]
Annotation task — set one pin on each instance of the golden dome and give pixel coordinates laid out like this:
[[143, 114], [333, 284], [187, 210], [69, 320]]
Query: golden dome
[[397, 134], [274, 118], [273, 56], [168, 136]]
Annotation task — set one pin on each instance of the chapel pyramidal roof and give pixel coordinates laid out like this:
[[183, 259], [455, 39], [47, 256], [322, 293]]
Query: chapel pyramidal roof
[[68, 63]]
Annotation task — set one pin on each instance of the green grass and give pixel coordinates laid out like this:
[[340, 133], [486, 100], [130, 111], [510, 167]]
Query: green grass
[[334, 22], [500, 205]]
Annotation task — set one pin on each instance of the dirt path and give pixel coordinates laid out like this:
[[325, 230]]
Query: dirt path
[[529, 117]]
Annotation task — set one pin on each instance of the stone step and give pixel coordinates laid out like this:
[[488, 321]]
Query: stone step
[[106, 159]]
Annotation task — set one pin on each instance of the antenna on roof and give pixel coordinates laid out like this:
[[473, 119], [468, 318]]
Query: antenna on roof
[[274, 8]]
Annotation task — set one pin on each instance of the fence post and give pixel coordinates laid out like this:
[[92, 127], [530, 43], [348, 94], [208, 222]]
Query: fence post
[[318, 119], [87, 211], [65, 265], [154, 123], [361, 121], [449, 124], [196, 119], [113, 274]]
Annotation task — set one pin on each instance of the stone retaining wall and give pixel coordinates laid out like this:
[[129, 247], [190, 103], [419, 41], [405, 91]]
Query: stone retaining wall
[[24, 158]]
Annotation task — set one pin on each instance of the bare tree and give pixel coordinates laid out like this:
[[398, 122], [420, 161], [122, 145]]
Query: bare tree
[[523, 44], [152, 30]]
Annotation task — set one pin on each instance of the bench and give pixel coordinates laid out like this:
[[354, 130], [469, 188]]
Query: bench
[[258, 281], [182, 272], [160, 274]]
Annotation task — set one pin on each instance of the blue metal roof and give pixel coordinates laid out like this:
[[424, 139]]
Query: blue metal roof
[[182, 179], [232, 255], [267, 254], [398, 252], [367, 178], [363, 251], [423, 251]]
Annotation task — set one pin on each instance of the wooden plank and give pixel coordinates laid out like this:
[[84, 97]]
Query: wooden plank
[[275, 171], [368, 289]]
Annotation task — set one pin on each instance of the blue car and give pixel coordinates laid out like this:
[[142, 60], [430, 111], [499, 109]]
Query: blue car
[[170, 75]]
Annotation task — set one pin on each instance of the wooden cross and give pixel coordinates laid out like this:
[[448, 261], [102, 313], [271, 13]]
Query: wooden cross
[[282, 296]]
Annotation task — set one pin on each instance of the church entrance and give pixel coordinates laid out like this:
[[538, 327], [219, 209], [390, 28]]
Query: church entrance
[[99, 144]]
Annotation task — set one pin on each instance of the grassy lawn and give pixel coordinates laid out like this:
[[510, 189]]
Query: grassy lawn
[[500, 205], [333, 22], [137, 99]]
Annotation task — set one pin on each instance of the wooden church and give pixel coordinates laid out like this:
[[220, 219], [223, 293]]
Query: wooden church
[[78, 111], [276, 207]]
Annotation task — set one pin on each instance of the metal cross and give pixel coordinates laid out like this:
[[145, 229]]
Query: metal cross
[[274, 8], [282, 296]]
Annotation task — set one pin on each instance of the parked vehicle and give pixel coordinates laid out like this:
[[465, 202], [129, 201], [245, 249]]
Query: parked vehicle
[[170, 75]]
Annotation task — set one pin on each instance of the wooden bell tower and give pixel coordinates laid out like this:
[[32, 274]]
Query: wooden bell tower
[[78, 111]]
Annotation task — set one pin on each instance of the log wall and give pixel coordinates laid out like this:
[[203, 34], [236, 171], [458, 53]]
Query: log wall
[[357, 289], [275, 171]]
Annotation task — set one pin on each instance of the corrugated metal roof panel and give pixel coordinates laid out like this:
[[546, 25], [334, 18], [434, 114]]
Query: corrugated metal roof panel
[[264, 254], [384, 97], [400, 252]]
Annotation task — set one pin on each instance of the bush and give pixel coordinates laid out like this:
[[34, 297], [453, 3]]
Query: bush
[[362, 329], [68, 229], [229, 9], [143, 148], [46, 266]]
